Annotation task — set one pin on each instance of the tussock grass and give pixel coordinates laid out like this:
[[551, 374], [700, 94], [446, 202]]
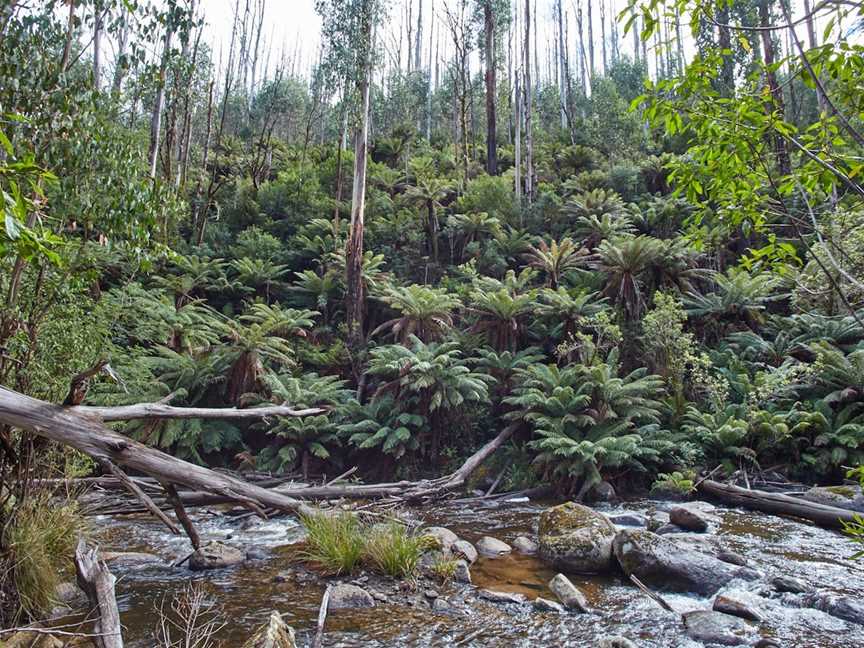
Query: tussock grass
[[38, 548], [341, 543]]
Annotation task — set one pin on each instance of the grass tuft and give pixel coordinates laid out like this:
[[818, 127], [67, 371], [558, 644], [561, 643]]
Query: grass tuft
[[394, 550], [335, 542]]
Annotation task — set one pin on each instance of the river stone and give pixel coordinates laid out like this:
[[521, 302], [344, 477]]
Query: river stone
[[445, 537], [732, 558], [789, 584], [568, 593], [616, 642], [492, 547], [576, 538], [545, 605], [742, 604], [602, 492], [670, 566], [525, 545], [629, 519], [501, 597], [717, 628], [657, 520], [843, 607], [666, 529], [215, 555], [462, 574], [846, 496], [344, 596], [691, 517], [464, 549], [276, 634]]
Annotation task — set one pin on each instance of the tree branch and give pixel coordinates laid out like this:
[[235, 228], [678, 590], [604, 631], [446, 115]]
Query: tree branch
[[161, 411]]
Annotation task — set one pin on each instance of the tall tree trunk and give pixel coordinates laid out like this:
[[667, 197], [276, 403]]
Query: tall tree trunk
[[813, 43], [517, 162], [603, 36], [491, 90], [635, 28], [781, 152], [582, 59], [98, 16], [354, 252], [418, 45], [431, 89], [159, 103], [591, 68], [529, 142], [724, 40], [120, 64]]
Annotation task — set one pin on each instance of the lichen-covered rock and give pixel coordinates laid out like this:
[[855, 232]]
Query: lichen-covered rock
[[32, 640], [717, 628], [276, 634], [492, 547], [576, 538], [345, 595], [657, 520], [616, 642], [215, 555], [445, 537], [671, 566], [569, 594], [462, 574]]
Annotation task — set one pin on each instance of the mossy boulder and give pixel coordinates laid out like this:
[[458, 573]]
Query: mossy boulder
[[846, 496], [576, 538]]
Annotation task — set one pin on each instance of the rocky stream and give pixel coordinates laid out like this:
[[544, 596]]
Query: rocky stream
[[733, 578]]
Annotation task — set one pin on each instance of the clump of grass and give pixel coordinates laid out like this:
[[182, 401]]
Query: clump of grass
[[335, 542], [340, 543], [394, 550], [445, 569], [38, 548]]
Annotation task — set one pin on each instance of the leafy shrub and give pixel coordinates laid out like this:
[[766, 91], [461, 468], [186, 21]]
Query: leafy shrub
[[675, 482]]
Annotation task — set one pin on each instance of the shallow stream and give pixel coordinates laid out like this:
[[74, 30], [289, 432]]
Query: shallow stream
[[248, 592]]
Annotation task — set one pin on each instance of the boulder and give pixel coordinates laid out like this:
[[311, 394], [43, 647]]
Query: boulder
[[602, 492], [492, 547], [629, 519], [670, 566], [742, 604], [345, 595], [717, 628], [70, 594], [445, 537], [657, 520], [846, 496], [525, 545], [692, 517], [616, 642], [215, 555], [462, 574], [789, 584], [464, 549], [501, 597], [732, 558], [667, 529], [569, 594], [545, 605], [257, 553], [576, 538], [843, 607], [713, 627], [276, 634]]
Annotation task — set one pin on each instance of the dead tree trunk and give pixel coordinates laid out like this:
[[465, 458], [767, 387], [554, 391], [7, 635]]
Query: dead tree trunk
[[491, 90], [98, 583]]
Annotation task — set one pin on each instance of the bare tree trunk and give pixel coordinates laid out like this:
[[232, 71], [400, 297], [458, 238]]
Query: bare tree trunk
[[529, 142], [200, 208], [159, 104], [431, 89], [783, 161], [603, 35], [120, 64], [518, 146], [591, 68], [98, 16], [354, 253], [724, 40], [418, 46], [491, 90]]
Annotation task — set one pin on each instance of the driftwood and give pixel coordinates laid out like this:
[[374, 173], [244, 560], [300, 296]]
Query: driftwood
[[778, 504], [322, 619], [98, 583], [163, 411]]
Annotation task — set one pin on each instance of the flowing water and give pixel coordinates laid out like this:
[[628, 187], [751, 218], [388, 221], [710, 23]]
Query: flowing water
[[248, 592]]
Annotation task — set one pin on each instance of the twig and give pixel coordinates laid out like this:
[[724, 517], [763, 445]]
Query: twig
[[322, 618], [708, 476], [496, 482], [347, 473], [140, 494], [653, 596]]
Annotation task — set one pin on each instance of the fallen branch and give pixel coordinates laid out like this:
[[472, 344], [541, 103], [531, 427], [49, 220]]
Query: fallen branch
[[133, 488], [98, 583], [322, 618], [173, 499], [778, 504], [162, 411], [659, 600]]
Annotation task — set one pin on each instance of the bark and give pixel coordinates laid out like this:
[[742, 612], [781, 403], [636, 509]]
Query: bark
[[591, 67], [491, 90], [98, 16], [418, 46], [563, 74], [529, 136], [783, 161], [518, 149], [120, 65], [603, 35], [159, 104], [354, 296], [162, 411], [778, 504], [98, 583]]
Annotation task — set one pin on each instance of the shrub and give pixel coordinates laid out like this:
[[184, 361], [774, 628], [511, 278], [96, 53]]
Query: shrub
[[675, 482]]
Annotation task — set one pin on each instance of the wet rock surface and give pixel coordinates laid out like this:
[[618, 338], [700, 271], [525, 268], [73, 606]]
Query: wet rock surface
[[492, 547], [569, 595], [717, 628], [215, 555], [345, 595], [576, 538]]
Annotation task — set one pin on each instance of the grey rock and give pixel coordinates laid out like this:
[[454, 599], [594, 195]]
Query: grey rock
[[629, 519], [276, 634], [717, 628], [576, 538], [501, 597], [568, 593], [657, 520], [70, 594], [442, 605], [692, 517], [666, 529], [667, 565], [492, 547], [257, 553], [344, 596], [616, 642], [843, 607], [602, 492], [525, 545], [741, 604], [846, 496], [131, 559], [789, 584], [215, 555], [462, 574], [732, 558], [545, 605], [430, 594], [445, 537], [464, 549]]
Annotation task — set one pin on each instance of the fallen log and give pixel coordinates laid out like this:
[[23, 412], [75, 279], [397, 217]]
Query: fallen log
[[778, 504], [162, 411]]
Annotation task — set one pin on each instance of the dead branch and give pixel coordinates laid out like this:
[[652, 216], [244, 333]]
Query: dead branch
[[98, 583], [160, 410]]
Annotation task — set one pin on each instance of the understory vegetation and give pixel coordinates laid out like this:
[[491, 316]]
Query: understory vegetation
[[660, 273]]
